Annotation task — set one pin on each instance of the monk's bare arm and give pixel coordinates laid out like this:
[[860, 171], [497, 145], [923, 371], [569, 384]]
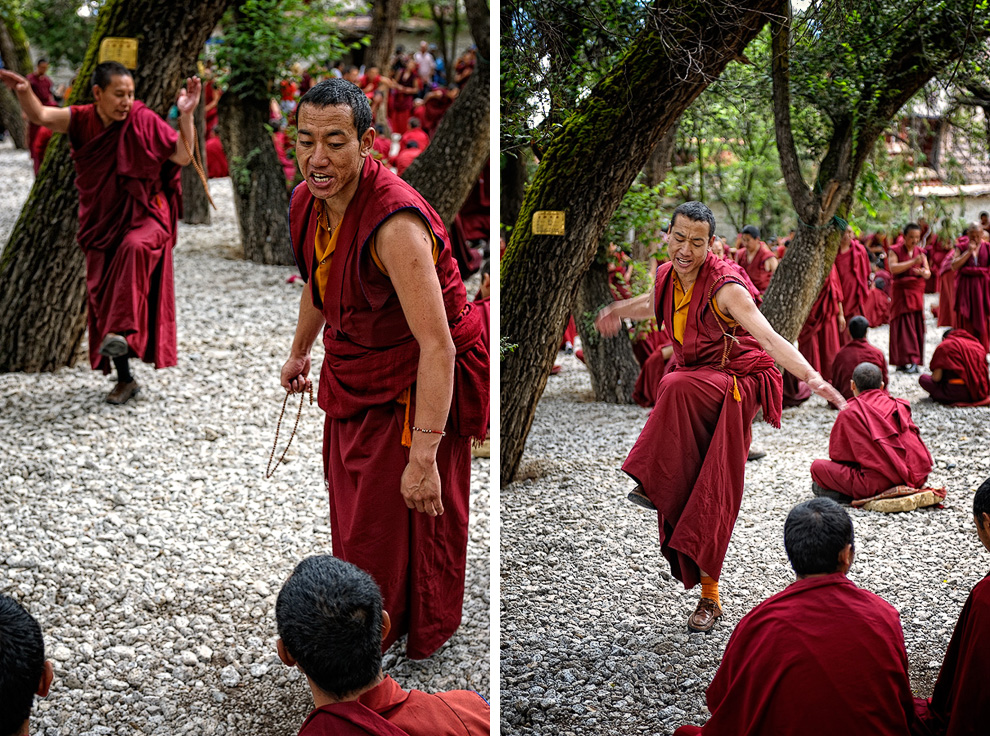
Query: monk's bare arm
[[609, 319], [897, 267], [295, 372], [771, 264], [187, 101], [735, 302], [55, 119], [405, 248]]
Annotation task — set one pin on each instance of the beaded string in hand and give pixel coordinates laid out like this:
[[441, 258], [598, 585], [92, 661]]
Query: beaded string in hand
[[270, 471]]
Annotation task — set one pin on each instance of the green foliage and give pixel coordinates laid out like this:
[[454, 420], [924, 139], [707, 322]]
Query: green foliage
[[505, 347], [57, 31], [635, 221]]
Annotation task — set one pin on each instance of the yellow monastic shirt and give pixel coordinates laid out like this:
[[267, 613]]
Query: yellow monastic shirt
[[682, 302]]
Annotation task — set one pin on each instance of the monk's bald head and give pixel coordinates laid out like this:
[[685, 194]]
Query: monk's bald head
[[815, 534], [867, 377]]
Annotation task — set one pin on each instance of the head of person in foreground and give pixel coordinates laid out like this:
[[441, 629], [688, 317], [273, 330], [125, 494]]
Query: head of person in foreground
[[692, 231], [24, 672], [818, 538]]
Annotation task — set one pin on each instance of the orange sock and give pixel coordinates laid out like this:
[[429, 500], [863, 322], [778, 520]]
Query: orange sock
[[709, 589]]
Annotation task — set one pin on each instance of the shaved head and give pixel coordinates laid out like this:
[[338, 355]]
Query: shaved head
[[867, 376]]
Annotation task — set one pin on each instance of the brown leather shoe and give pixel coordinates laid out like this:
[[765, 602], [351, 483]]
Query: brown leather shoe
[[704, 616], [123, 392], [639, 498]]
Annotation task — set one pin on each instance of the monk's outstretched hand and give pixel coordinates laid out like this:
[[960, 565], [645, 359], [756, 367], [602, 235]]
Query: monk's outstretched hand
[[14, 82], [827, 391], [420, 488], [189, 96], [294, 375], [608, 322]]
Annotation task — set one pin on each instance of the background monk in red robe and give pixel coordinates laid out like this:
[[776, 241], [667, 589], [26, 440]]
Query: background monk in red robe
[[690, 458], [405, 379], [821, 658], [127, 171], [818, 340], [874, 445], [959, 370], [909, 266], [972, 266], [331, 625], [756, 258], [858, 351], [960, 702], [852, 265]]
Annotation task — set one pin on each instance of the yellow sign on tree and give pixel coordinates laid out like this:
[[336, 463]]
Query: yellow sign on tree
[[124, 50]]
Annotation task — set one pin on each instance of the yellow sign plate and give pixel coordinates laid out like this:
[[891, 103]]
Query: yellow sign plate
[[548, 222], [124, 50]]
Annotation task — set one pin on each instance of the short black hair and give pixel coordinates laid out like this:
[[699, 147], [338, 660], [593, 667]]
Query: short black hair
[[696, 212], [867, 376], [947, 332], [41, 61], [858, 326], [752, 230], [912, 226], [412, 144], [105, 72], [987, 214], [981, 501], [414, 122], [335, 91], [329, 616], [815, 532], [22, 664]]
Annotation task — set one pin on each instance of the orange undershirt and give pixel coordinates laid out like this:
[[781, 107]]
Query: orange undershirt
[[682, 303]]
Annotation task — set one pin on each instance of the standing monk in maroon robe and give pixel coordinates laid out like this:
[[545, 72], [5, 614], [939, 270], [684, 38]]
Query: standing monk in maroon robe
[[127, 171], [818, 340], [852, 264], [972, 266], [690, 459], [960, 703], [909, 266], [858, 351], [959, 370], [874, 444], [405, 379], [821, 658], [41, 85], [756, 258]]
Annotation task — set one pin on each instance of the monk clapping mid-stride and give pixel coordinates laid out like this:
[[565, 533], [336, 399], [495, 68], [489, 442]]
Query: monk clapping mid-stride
[[127, 171], [690, 459]]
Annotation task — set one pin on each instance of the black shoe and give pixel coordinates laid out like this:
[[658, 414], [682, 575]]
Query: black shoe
[[914, 368], [755, 455], [902, 369], [639, 498], [839, 498]]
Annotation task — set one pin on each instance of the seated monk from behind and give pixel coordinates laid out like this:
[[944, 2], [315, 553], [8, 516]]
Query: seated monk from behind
[[331, 626], [24, 671], [961, 699], [959, 370], [859, 350], [874, 444], [823, 657]]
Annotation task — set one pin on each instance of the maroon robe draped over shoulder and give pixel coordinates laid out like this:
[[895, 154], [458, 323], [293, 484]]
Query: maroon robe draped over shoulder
[[348, 719], [821, 658], [874, 445], [961, 699], [850, 356], [452, 713], [972, 305], [691, 456], [966, 358], [853, 269], [371, 360], [818, 340], [129, 203], [756, 269], [907, 311]]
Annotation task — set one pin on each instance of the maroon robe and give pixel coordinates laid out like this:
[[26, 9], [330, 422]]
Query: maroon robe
[[961, 700], [966, 360], [819, 337], [853, 268], [452, 713], [972, 305], [348, 719], [691, 456], [41, 85], [947, 286], [821, 658], [907, 311], [874, 446], [415, 134], [877, 307], [796, 391], [850, 356], [937, 253], [129, 201], [371, 361], [652, 369], [755, 269], [472, 222]]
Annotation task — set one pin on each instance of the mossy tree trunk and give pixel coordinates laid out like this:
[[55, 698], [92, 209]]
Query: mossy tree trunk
[[586, 169], [43, 290], [445, 172], [195, 205], [17, 57]]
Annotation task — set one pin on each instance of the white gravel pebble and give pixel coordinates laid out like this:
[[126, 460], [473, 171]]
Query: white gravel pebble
[[145, 538]]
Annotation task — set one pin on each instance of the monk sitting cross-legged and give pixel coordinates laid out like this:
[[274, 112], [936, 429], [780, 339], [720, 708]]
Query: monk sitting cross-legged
[[690, 459], [821, 658], [959, 370], [874, 444], [331, 625], [852, 354]]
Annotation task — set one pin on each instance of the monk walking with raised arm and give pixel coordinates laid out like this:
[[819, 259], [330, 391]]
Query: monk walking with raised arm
[[689, 461], [909, 266], [405, 379], [127, 171]]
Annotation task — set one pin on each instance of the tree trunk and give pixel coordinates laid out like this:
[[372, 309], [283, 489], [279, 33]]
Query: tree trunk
[[610, 360], [586, 170], [445, 172], [260, 196], [384, 22], [10, 118], [448, 61], [42, 290], [655, 171], [439, 13], [195, 205], [16, 57], [513, 183]]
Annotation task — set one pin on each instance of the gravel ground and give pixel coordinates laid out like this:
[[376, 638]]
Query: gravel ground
[[145, 538], [593, 633]]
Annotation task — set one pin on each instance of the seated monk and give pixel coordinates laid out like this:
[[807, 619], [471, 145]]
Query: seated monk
[[961, 699], [331, 626], [823, 657], [959, 370], [859, 350], [874, 444], [24, 671]]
